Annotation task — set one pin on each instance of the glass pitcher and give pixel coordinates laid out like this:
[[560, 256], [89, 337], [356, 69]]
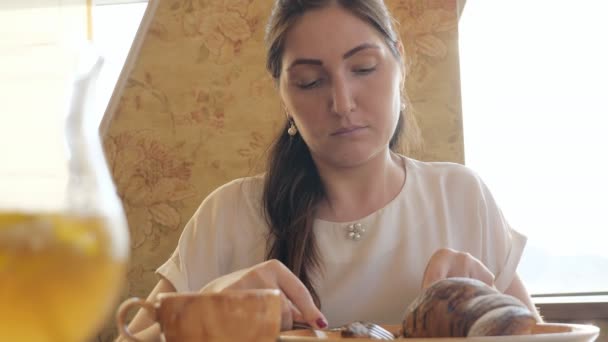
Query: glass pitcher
[[63, 232]]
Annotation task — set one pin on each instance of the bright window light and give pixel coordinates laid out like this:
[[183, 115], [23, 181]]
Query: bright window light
[[535, 101], [115, 23]]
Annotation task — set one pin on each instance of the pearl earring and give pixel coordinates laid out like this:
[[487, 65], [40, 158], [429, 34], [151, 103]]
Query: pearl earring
[[292, 131]]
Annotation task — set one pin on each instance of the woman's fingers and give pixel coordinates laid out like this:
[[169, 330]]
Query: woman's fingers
[[446, 262], [296, 301], [286, 313], [298, 294], [296, 314], [289, 313], [436, 268], [481, 272]]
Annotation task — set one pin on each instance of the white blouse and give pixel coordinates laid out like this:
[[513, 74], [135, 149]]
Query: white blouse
[[375, 277]]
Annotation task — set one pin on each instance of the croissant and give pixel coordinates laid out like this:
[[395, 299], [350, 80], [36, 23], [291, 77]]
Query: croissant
[[462, 307]]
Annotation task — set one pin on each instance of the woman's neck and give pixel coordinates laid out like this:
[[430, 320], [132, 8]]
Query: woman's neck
[[355, 192]]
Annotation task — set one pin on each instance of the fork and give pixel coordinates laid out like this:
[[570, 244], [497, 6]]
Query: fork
[[375, 331]]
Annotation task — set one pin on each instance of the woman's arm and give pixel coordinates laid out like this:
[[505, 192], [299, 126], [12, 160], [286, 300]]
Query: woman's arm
[[296, 302], [518, 290], [447, 262], [143, 325]]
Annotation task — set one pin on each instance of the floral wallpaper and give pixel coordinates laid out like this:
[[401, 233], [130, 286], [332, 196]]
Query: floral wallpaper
[[429, 30], [198, 109]]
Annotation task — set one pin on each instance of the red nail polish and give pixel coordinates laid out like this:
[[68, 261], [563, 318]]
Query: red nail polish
[[321, 323]]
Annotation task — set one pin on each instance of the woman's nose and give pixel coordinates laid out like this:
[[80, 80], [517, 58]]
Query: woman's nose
[[342, 101]]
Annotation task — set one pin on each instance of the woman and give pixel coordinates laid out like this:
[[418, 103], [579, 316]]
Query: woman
[[343, 225]]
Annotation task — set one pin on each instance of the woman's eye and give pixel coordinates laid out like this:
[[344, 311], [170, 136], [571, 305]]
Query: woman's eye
[[310, 85], [364, 71]]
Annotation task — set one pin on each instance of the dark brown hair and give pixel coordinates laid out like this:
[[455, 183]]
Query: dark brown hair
[[292, 185]]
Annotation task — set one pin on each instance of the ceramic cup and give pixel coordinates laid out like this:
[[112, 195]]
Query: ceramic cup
[[247, 315]]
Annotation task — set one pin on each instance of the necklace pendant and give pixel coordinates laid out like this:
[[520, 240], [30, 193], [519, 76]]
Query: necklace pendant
[[355, 231]]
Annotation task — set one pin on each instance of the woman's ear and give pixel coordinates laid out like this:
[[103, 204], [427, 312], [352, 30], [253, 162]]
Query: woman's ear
[[284, 108], [401, 49]]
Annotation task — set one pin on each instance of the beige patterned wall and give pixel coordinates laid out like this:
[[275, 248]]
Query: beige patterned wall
[[198, 109]]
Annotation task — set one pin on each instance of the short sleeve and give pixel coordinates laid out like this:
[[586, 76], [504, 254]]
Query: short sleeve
[[197, 259], [503, 245], [173, 272]]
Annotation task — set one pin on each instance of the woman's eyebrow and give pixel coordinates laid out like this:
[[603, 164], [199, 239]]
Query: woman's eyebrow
[[305, 61], [363, 46], [347, 55]]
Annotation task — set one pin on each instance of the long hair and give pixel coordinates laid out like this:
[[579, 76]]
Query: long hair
[[292, 185]]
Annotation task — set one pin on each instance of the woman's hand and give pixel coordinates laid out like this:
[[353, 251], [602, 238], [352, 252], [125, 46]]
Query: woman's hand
[[446, 262], [297, 303]]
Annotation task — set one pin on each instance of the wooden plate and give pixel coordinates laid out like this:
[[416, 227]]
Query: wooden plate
[[546, 332]]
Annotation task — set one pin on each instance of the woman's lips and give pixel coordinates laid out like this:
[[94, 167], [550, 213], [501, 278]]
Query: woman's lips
[[347, 130]]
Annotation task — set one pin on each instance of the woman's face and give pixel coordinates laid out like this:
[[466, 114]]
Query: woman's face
[[341, 85]]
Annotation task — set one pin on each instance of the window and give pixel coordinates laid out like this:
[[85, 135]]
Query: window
[[115, 23], [37, 61], [535, 102]]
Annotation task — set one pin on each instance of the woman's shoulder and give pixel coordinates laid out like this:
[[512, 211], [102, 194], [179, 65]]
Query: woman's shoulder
[[244, 188], [446, 174], [440, 168], [233, 208]]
